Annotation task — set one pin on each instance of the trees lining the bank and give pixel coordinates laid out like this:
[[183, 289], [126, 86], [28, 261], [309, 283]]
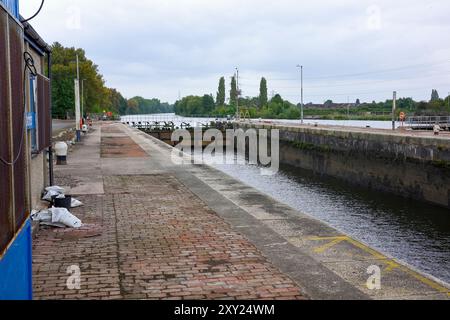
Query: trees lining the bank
[[278, 108], [97, 97], [221, 95], [263, 98]]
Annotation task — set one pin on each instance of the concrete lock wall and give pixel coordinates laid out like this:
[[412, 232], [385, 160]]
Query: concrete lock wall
[[413, 167]]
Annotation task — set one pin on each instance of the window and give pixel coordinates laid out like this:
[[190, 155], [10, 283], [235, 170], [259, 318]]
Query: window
[[44, 118], [32, 114]]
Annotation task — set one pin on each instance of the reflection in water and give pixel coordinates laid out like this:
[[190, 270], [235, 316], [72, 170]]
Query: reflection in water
[[411, 231]]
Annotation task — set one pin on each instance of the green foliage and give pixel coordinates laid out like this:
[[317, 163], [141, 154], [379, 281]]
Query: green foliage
[[221, 93], [208, 104], [263, 100], [278, 108], [249, 102], [117, 102], [276, 99], [95, 94], [434, 95], [139, 105], [196, 106], [62, 91], [233, 92], [434, 107]]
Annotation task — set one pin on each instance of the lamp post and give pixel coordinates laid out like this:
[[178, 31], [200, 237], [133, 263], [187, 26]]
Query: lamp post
[[301, 103], [394, 108], [237, 95], [82, 99], [77, 102]]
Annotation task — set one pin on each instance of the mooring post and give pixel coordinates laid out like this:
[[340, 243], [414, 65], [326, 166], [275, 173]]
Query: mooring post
[[394, 107]]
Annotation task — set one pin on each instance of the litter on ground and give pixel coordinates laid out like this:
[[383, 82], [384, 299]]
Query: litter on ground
[[56, 217]]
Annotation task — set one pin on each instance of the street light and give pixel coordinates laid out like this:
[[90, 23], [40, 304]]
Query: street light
[[237, 95], [82, 99], [77, 102], [302, 106]]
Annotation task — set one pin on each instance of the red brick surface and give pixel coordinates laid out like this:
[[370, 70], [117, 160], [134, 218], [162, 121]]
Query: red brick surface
[[149, 237]]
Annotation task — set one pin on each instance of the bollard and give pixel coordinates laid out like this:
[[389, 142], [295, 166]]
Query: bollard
[[61, 153]]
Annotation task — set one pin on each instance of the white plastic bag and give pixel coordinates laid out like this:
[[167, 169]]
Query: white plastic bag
[[41, 216], [53, 192], [49, 195], [44, 217], [76, 203], [56, 189], [62, 215]]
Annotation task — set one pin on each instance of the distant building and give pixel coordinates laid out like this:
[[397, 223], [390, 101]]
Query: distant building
[[25, 139]]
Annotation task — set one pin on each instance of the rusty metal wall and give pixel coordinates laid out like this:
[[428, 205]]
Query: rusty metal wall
[[43, 111], [19, 124], [13, 144], [6, 232]]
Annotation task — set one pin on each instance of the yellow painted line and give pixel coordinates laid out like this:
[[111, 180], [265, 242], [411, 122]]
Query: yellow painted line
[[329, 245], [425, 280], [391, 264]]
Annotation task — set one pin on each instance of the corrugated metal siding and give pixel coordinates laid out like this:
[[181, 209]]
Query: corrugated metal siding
[[12, 6], [6, 232], [13, 202], [43, 112], [18, 115]]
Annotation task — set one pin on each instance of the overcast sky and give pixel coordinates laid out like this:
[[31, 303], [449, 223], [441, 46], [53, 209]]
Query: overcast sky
[[349, 48]]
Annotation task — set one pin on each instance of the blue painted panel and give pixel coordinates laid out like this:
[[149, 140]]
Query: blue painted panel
[[12, 6], [16, 268], [31, 120], [32, 113]]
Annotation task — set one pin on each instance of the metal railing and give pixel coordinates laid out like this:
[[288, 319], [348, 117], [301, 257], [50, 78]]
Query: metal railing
[[168, 121], [428, 121]]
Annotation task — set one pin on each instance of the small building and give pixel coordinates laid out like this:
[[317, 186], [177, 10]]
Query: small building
[[25, 144]]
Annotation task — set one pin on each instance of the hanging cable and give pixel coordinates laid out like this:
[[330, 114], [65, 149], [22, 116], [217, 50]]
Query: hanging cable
[[29, 65], [34, 15]]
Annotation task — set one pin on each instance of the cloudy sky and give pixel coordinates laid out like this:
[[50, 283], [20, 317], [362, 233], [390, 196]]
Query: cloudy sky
[[349, 48]]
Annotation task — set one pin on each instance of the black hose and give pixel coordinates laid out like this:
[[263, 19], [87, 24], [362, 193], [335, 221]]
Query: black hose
[[34, 15], [29, 65]]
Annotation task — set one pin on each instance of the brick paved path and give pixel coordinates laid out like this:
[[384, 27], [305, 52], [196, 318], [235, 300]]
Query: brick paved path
[[149, 237]]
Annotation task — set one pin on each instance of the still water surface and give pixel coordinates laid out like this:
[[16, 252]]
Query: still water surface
[[411, 231]]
